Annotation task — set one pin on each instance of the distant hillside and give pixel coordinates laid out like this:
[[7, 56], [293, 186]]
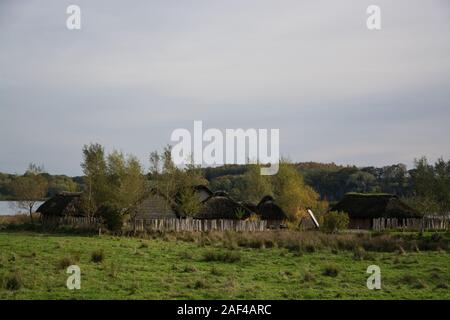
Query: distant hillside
[[330, 180], [57, 183]]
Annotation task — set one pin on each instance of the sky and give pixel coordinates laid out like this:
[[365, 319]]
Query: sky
[[138, 70]]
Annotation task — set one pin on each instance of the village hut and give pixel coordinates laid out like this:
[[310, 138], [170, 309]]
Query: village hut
[[221, 206], [363, 208], [250, 206], [203, 192], [271, 212], [61, 205], [153, 206]]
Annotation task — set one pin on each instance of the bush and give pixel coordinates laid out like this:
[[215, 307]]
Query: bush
[[442, 286], [308, 277], [360, 254], [335, 221], [199, 284], [97, 256], [111, 217], [65, 262], [13, 282], [331, 271], [216, 272], [190, 269], [413, 281], [228, 256]]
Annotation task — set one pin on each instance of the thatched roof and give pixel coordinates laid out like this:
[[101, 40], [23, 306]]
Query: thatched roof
[[153, 206], [250, 206], [222, 207], [269, 210], [203, 192], [62, 204], [221, 193], [359, 205]]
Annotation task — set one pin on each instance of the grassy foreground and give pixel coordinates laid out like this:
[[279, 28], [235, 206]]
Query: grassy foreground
[[33, 266]]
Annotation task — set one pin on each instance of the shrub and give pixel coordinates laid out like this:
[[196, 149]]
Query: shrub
[[413, 281], [186, 255], [442, 286], [65, 262], [111, 216], [310, 248], [335, 221], [360, 254], [331, 271], [308, 277], [269, 243], [190, 269], [97, 256], [436, 237], [199, 284], [216, 271], [13, 282], [228, 256], [143, 245], [113, 270], [294, 246]]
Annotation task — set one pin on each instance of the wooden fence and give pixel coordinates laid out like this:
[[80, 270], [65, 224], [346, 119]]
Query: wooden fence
[[78, 222], [202, 225], [426, 223]]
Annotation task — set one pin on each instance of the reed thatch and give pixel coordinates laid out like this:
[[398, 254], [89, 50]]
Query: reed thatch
[[203, 192], [63, 204], [250, 206], [221, 206], [153, 206], [363, 206], [269, 210]]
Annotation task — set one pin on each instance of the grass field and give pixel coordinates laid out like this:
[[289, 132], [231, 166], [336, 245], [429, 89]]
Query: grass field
[[33, 266]]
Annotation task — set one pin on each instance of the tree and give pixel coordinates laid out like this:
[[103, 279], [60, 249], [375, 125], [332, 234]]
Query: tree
[[30, 188], [422, 178], [155, 164], [361, 182], [126, 180], [335, 221], [255, 185], [442, 184], [176, 183], [188, 202], [431, 186], [291, 192], [94, 169], [112, 216]]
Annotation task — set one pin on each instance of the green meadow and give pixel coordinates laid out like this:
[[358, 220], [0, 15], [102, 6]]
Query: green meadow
[[33, 266]]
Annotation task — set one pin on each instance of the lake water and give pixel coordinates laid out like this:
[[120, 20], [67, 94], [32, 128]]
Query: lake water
[[10, 208]]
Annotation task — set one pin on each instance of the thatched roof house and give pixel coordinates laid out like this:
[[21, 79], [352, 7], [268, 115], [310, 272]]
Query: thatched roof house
[[269, 210], [153, 206], [203, 192], [250, 206], [156, 205], [62, 204], [221, 206], [362, 208]]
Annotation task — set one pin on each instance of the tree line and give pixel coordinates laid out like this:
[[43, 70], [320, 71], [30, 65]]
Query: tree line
[[119, 180]]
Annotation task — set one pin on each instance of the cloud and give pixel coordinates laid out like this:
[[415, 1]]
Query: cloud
[[336, 91]]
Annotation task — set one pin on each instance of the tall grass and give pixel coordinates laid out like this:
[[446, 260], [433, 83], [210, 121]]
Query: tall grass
[[310, 241]]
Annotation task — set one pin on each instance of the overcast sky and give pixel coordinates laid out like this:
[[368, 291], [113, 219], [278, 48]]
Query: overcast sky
[[138, 70]]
